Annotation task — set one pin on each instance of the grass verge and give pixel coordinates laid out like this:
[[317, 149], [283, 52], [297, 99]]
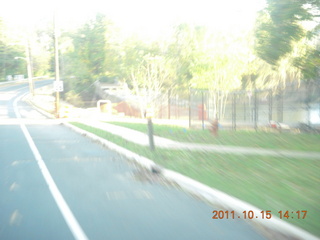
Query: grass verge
[[276, 184], [241, 138]]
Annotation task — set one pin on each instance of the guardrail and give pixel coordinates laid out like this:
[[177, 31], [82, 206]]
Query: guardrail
[[23, 80], [12, 82]]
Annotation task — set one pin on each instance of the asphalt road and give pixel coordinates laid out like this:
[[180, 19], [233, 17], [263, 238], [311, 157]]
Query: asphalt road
[[57, 184]]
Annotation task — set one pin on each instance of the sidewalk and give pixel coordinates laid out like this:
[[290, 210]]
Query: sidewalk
[[142, 139]]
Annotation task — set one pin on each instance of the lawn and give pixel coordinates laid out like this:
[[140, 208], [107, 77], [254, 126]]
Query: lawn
[[269, 183], [260, 139]]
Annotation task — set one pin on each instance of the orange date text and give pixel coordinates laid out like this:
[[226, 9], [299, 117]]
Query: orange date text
[[268, 214]]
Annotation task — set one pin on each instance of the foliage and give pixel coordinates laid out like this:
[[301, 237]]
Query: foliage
[[279, 26], [152, 74], [86, 52], [309, 63], [89, 46], [182, 50], [10, 65], [147, 70], [276, 77], [132, 55], [280, 51], [74, 98], [285, 37], [219, 62], [13, 45], [8, 51], [40, 49]]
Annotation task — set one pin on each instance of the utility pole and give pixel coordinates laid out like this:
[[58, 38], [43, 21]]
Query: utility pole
[[29, 67], [56, 54]]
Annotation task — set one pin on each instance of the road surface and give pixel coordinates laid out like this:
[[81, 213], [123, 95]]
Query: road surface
[[57, 184]]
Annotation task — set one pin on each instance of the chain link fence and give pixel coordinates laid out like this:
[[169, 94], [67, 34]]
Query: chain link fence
[[239, 109], [242, 109]]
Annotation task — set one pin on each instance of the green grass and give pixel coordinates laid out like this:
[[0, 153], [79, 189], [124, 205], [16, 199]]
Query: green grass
[[270, 140], [269, 183]]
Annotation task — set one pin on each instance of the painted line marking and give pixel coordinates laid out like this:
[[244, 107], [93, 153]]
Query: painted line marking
[[15, 218], [70, 219]]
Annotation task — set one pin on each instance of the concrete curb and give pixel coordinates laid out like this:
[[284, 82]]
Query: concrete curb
[[13, 82], [145, 162], [214, 196]]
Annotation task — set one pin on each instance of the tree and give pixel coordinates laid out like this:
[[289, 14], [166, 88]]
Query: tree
[[40, 46], [2, 49], [219, 61], [279, 26], [182, 51], [286, 41], [8, 51], [87, 54], [147, 69], [309, 63], [131, 56], [90, 45]]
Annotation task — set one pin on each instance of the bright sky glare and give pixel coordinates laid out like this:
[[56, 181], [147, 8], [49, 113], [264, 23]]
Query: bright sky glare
[[146, 17]]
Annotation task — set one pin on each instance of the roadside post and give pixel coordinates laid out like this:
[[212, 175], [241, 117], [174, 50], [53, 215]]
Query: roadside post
[[149, 116], [58, 85]]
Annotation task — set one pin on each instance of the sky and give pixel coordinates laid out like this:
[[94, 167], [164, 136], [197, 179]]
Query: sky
[[144, 17]]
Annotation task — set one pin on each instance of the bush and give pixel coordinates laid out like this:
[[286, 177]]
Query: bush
[[73, 98]]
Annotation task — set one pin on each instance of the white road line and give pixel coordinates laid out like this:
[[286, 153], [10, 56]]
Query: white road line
[[71, 221]]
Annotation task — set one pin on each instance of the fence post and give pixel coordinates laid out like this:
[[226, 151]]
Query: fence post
[[270, 104], [255, 110], [218, 105], [280, 106], [244, 109], [189, 107], [202, 108], [169, 95], [208, 105], [150, 134], [234, 113], [176, 107]]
